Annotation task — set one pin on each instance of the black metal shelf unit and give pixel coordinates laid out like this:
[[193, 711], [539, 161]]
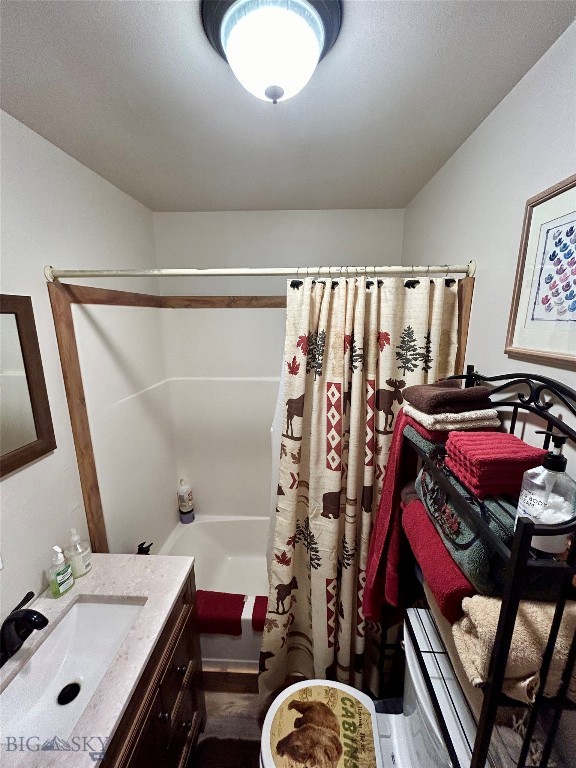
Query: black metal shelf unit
[[512, 395]]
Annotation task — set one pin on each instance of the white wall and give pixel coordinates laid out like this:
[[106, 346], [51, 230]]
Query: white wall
[[128, 402], [54, 211], [224, 364], [473, 208], [272, 239]]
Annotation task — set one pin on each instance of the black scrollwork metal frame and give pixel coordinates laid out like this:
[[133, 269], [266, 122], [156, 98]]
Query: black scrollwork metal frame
[[528, 392]]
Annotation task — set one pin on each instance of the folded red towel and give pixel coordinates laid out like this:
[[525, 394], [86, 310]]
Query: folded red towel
[[446, 581], [483, 451], [259, 613], [495, 473], [498, 485], [219, 612], [435, 436], [447, 396]]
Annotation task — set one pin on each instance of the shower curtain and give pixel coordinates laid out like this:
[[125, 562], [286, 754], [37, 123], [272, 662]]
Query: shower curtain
[[351, 346]]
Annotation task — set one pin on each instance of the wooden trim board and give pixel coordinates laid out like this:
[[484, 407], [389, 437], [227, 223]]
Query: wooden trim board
[[62, 296], [465, 294], [72, 374]]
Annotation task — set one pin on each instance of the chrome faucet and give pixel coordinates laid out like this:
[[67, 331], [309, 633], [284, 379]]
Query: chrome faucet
[[18, 625]]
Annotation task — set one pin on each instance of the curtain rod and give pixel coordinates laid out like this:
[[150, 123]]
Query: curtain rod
[[442, 269]]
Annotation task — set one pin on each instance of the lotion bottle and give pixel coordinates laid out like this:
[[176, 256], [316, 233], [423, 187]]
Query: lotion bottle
[[79, 555], [185, 502], [548, 495], [59, 574]]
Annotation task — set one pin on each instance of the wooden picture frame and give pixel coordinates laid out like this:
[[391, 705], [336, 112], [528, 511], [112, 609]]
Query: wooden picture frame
[[542, 324], [21, 307]]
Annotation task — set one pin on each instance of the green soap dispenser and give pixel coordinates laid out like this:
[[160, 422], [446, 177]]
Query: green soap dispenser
[[59, 574]]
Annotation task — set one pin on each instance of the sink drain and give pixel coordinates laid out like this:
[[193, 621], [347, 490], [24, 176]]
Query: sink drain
[[68, 693]]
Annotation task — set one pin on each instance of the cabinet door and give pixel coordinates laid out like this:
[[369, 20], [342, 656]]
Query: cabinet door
[[183, 724], [150, 750], [174, 675]]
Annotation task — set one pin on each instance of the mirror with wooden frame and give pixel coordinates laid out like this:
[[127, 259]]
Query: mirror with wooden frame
[[26, 431]]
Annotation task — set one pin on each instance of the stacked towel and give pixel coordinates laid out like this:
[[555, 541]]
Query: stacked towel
[[450, 420], [437, 436], [446, 581], [491, 464], [474, 637], [447, 396], [474, 555], [219, 612]]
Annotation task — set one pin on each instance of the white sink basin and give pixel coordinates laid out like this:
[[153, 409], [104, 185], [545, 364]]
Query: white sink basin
[[79, 650]]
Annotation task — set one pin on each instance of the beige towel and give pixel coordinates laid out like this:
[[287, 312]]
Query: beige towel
[[474, 637], [446, 422]]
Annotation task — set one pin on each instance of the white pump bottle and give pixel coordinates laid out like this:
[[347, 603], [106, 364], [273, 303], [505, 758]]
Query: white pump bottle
[[548, 496]]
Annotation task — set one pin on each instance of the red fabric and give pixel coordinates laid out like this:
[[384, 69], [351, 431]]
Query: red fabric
[[491, 464], [446, 581], [435, 436], [481, 452], [382, 570], [219, 612], [259, 613], [500, 483]]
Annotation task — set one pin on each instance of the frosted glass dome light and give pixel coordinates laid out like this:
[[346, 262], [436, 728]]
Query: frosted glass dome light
[[272, 46]]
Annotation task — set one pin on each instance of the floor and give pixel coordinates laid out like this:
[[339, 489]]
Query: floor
[[231, 738]]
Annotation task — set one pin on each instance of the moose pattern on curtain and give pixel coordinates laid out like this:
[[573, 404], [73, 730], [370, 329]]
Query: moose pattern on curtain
[[351, 347]]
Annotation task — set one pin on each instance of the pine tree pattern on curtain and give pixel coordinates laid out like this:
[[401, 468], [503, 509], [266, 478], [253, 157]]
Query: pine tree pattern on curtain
[[351, 347]]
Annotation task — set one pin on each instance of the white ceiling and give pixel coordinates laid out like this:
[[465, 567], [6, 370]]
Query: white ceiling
[[134, 91]]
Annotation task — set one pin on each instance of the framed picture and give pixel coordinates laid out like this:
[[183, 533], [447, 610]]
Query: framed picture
[[542, 325]]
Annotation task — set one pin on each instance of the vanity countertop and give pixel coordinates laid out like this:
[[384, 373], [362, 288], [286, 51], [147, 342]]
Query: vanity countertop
[[154, 580]]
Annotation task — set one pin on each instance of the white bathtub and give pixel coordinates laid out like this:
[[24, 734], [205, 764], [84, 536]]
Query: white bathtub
[[230, 556]]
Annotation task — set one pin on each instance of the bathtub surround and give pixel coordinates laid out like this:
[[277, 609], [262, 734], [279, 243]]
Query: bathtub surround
[[169, 404], [228, 557], [351, 347]]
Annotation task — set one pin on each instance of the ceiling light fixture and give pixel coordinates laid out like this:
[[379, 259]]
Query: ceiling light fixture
[[272, 46]]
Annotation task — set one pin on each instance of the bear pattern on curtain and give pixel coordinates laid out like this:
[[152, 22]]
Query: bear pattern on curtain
[[351, 346]]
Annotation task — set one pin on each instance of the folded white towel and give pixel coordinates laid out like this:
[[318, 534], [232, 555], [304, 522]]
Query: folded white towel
[[448, 421]]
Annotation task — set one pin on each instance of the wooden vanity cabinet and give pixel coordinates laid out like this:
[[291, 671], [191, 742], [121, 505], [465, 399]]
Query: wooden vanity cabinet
[[167, 711]]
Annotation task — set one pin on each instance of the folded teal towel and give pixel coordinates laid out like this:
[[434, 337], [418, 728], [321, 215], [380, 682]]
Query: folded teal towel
[[475, 556]]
